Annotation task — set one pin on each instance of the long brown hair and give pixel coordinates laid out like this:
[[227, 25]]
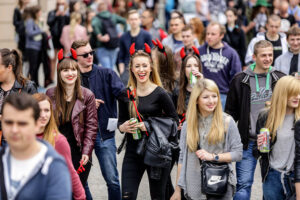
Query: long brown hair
[[132, 82], [198, 29], [183, 82], [51, 130], [13, 57], [63, 112], [165, 67]]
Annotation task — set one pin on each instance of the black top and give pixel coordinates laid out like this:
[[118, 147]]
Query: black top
[[85, 79], [236, 39], [67, 130], [277, 46], [157, 104]]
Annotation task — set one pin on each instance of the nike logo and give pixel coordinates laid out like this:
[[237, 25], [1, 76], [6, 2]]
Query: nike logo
[[214, 180]]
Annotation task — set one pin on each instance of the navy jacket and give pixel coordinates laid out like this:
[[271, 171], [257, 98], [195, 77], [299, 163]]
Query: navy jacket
[[126, 40], [106, 85]]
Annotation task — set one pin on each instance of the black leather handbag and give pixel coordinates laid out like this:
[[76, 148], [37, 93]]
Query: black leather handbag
[[214, 178]]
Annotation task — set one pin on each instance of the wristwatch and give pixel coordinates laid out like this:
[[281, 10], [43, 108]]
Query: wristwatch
[[216, 157]]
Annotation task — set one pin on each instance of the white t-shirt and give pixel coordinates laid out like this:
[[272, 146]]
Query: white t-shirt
[[21, 169]]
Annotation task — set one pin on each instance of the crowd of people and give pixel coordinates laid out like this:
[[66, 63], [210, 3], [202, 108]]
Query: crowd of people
[[218, 82]]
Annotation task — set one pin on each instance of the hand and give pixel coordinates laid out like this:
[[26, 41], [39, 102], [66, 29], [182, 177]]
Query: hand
[[98, 102], [141, 126], [176, 195], [197, 74], [84, 159], [204, 155], [260, 140], [105, 38], [129, 127], [179, 127]]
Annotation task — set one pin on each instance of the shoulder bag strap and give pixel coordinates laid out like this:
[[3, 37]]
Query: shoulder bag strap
[[2, 182]]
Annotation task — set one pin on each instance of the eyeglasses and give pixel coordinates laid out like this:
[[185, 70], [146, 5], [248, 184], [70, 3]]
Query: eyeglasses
[[87, 54]]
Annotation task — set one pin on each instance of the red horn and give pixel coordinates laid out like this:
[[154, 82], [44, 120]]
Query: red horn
[[159, 44], [73, 54], [60, 55], [182, 53], [196, 50], [132, 49], [154, 43], [147, 48]]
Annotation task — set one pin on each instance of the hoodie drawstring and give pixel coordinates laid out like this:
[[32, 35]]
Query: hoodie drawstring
[[256, 78]]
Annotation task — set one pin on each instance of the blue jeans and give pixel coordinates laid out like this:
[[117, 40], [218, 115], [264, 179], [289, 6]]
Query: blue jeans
[[273, 188], [105, 151], [223, 100], [107, 57], [245, 174], [87, 192]]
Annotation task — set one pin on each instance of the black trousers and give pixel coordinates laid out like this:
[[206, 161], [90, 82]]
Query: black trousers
[[132, 172], [76, 157], [35, 58]]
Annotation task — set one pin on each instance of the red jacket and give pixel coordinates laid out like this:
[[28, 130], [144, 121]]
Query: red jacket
[[63, 148], [86, 132]]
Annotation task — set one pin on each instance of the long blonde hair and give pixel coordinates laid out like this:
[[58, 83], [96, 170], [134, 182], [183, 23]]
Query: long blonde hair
[[75, 19], [285, 88], [216, 132], [132, 82]]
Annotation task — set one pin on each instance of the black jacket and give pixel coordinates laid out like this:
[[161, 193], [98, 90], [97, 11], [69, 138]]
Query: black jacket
[[238, 102], [236, 39], [297, 152], [265, 157]]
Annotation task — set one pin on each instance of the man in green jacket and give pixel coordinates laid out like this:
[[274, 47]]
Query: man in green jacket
[[105, 30]]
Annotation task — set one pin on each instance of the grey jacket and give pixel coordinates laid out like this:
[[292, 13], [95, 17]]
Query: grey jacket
[[190, 174], [282, 63]]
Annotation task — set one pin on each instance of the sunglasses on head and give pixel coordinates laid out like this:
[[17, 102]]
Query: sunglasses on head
[[87, 54]]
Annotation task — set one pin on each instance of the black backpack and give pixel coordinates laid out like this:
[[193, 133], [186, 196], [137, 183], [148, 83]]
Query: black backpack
[[108, 27]]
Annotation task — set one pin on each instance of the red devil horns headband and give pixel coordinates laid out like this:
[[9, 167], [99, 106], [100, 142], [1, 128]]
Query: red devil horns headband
[[183, 53], [60, 55], [132, 49], [160, 46]]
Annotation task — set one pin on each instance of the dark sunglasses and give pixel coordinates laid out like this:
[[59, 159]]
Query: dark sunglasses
[[87, 54]]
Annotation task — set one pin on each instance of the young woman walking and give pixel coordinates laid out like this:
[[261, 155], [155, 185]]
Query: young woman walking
[[217, 135], [152, 101], [49, 132], [277, 165]]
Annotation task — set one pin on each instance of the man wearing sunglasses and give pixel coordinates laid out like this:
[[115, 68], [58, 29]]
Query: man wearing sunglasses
[[107, 88]]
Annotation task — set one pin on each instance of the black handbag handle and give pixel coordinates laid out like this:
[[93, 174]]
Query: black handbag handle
[[3, 190]]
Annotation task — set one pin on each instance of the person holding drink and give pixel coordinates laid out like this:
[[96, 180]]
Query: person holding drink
[[277, 151], [150, 100]]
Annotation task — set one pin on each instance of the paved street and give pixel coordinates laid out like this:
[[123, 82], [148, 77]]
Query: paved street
[[99, 191]]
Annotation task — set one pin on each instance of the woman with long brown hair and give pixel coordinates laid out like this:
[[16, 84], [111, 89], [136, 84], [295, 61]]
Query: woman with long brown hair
[[49, 132], [75, 112], [191, 66], [152, 101]]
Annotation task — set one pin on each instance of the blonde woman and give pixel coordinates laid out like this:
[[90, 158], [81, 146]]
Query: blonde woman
[[152, 101], [277, 166], [218, 136], [73, 32]]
